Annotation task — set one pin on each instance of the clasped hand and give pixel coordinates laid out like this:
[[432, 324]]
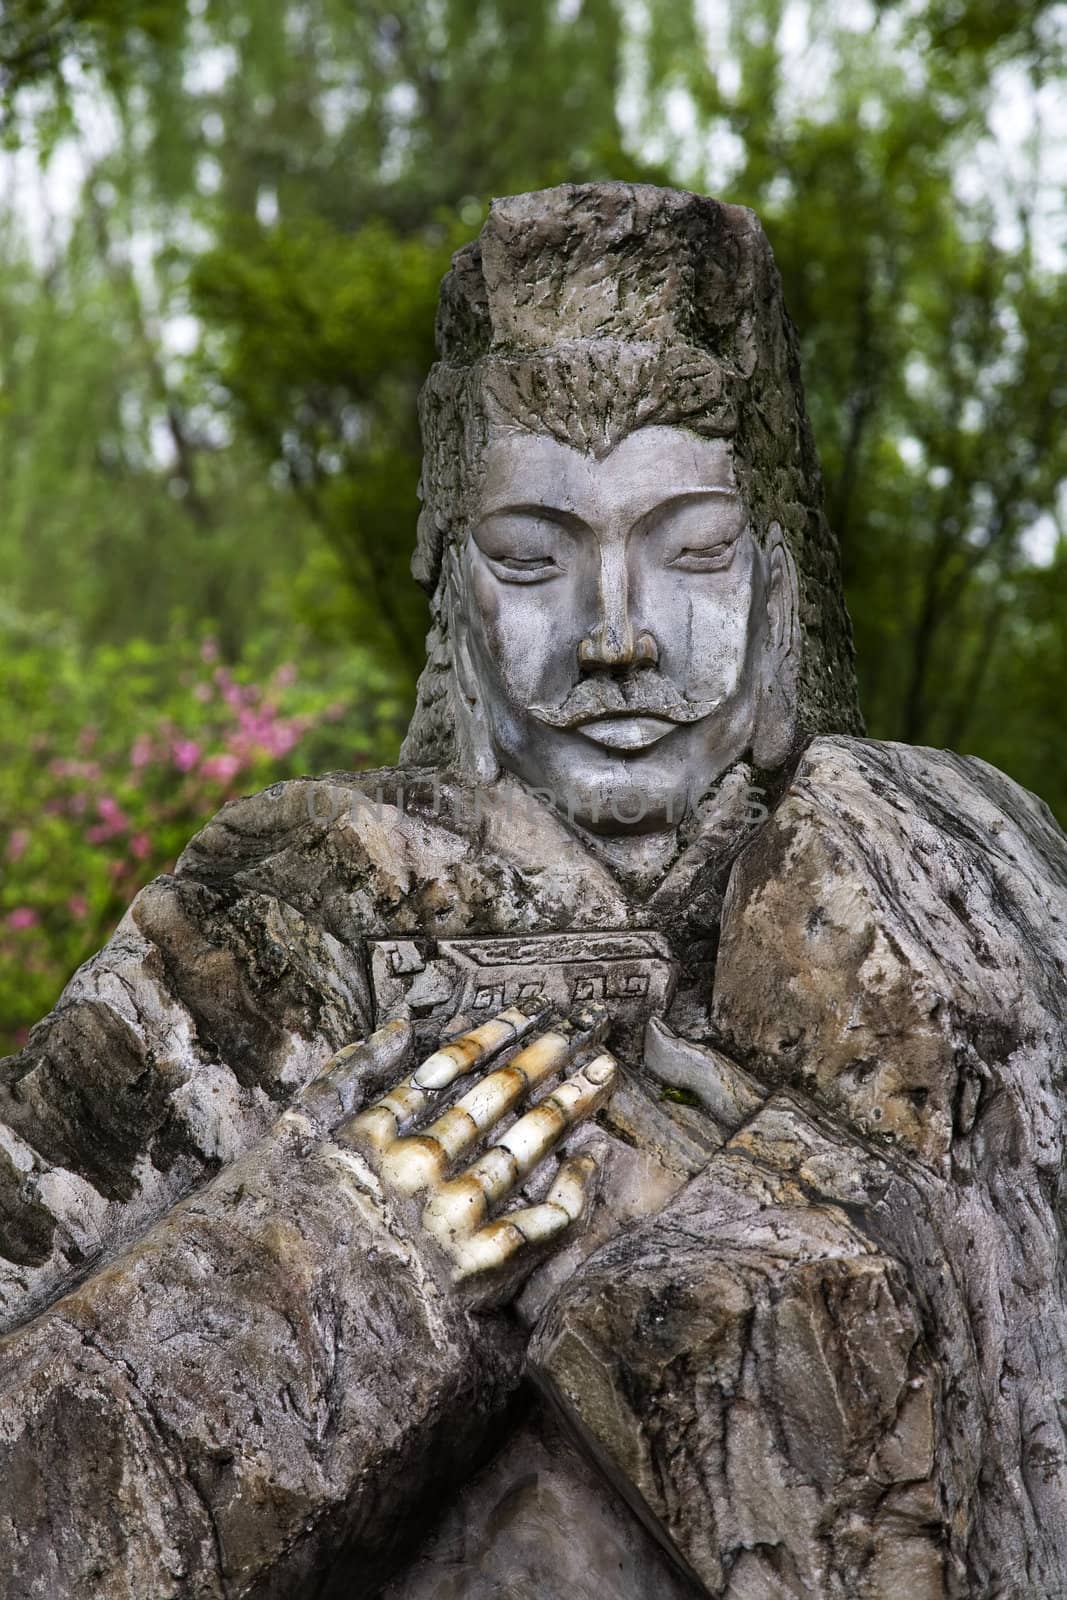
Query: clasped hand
[[416, 1137]]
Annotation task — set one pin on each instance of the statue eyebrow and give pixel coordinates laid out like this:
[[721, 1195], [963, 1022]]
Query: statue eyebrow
[[698, 492], [571, 520], [701, 491], [534, 508]]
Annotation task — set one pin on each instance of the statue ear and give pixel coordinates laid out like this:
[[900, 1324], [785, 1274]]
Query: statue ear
[[776, 708], [474, 746]]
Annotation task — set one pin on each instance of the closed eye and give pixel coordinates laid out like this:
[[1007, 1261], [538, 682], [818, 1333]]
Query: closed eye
[[705, 558], [525, 544], [524, 569]]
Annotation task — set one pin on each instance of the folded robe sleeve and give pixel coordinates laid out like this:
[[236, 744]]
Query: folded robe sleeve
[[167, 1055]]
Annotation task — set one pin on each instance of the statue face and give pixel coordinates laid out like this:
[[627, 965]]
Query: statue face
[[620, 626]]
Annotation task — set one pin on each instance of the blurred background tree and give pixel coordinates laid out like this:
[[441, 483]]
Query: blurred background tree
[[224, 226]]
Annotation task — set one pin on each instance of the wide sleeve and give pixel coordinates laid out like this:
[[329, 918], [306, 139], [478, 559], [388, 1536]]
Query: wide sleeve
[[255, 1398], [166, 1056], [225, 1365]]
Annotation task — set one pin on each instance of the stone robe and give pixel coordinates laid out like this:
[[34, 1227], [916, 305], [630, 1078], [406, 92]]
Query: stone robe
[[827, 1361]]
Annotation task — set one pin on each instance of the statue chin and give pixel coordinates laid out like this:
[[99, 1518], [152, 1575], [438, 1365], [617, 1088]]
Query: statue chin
[[612, 791], [613, 775]]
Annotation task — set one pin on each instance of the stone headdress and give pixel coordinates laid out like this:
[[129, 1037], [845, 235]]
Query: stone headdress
[[589, 310]]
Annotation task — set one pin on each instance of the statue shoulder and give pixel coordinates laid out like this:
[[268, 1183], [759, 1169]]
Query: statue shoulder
[[396, 851], [895, 786], [333, 816], [895, 936]]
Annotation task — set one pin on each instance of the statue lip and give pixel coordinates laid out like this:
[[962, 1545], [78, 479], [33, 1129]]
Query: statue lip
[[652, 699], [625, 731]]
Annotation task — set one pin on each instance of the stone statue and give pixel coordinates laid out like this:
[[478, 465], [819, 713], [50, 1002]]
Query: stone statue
[[298, 1299]]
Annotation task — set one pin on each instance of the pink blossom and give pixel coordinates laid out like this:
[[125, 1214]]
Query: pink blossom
[[113, 820], [237, 695], [23, 917], [60, 767], [209, 650], [141, 751], [18, 843], [78, 906], [223, 768], [283, 740], [185, 753], [285, 675], [141, 846], [86, 739], [203, 692]]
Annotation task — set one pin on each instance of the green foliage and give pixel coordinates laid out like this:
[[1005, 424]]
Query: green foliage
[[681, 1097], [1019, 716], [324, 369], [41, 41], [126, 495]]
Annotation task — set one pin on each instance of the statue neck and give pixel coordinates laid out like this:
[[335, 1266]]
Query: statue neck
[[638, 860], [642, 861]]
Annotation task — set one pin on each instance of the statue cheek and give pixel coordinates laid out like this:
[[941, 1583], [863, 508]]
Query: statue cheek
[[707, 647], [504, 640], [522, 632], [493, 622], [486, 608]]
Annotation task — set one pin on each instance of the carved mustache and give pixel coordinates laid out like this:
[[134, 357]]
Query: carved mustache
[[642, 694]]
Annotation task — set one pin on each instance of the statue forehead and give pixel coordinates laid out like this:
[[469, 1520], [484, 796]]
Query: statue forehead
[[647, 466]]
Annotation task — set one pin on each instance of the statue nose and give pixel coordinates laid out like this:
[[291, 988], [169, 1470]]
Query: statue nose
[[608, 649], [612, 644]]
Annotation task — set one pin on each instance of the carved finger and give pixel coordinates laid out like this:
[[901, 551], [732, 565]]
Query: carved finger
[[336, 1090], [422, 1160], [462, 1205], [382, 1123], [491, 1248], [460, 1055]]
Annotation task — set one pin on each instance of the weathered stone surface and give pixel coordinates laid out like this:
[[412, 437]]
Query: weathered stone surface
[[905, 912], [751, 1370], [833, 1364], [539, 1523], [872, 857], [256, 1294], [873, 849], [264, 1385], [167, 1055]]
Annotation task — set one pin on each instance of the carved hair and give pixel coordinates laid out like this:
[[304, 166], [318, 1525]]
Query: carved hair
[[587, 311]]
